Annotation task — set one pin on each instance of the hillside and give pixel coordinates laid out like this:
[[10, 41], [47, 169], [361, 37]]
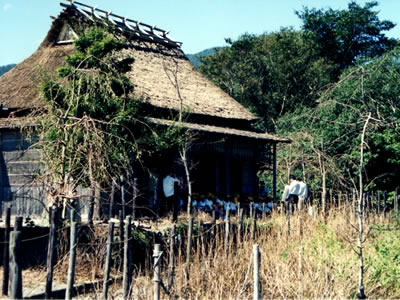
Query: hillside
[[195, 58], [6, 68]]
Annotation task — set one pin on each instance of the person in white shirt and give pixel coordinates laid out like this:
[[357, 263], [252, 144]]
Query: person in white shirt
[[294, 188], [303, 193], [170, 194]]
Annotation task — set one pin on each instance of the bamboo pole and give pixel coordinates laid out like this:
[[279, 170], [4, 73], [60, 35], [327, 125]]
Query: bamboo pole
[[171, 271], [72, 258], [6, 256], [15, 265], [127, 273], [189, 241], [156, 278], [107, 265], [256, 273], [51, 255]]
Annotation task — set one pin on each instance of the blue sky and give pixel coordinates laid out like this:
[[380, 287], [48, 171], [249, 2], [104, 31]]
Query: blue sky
[[198, 24]]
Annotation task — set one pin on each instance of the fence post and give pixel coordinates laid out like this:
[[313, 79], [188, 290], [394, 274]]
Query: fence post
[[213, 222], [156, 267], [72, 257], [189, 241], [107, 265], [396, 202], [123, 197], [51, 254], [354, 205], [227, 230], [121, 236], [18, 223], [127, 274], [111, 212], [240, 226], [385, 204], [378, 207], [15, 265], [254, 227], [256, 272], [6, 257], [171, 271], [135, 192], [263, 212]]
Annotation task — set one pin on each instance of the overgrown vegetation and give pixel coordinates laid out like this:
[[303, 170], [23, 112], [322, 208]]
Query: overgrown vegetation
[[93, 129], [320, 263], [317, 86]]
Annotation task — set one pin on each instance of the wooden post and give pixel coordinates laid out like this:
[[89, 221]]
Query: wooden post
[[91, 204], [123, 197], [254, 227], [263, 212], [378, 203], [135, 192], [256, 273], [18, 223], [127, 273], [385, 204], [396, 202], [51, 254], [121, 235], [189, 242], [240, 226], [213, 222], [107, 265], [156, 278], [227, 231], [354, 205], [251, 209], [72, 258], [274, 171], [15, 266], [171, 271], [111, 212], [6, 253]]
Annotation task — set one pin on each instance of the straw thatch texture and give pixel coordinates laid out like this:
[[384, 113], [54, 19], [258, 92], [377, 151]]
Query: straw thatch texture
[[19, 86], [162, 75]]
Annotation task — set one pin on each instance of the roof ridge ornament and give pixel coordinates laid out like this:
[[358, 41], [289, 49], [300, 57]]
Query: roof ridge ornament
[[123, 24]]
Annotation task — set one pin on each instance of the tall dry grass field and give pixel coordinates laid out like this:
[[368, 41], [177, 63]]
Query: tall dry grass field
[[317, 259]]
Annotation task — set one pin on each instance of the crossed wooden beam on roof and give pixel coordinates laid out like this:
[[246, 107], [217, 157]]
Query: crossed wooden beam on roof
[[124, 24]]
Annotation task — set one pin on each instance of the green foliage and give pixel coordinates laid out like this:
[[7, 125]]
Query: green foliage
[[343, 36], [383, 266], [271, 74], [94, 129]]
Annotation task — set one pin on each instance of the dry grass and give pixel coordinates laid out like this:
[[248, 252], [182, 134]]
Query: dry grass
[[317, 261]]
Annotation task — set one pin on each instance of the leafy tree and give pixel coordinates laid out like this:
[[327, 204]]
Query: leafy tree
[[271, 74], [343, 36], [93, 129], [340, 116]]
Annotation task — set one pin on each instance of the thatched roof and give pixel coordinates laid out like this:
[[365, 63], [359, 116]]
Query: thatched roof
[[222, 130], [161, 73]]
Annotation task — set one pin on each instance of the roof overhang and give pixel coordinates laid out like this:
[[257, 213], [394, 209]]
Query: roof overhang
[[266, 137]]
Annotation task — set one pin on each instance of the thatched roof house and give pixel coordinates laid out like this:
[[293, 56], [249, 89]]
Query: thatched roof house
[[161, 73]]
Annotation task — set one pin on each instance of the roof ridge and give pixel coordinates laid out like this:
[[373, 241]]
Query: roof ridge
[[123, 24]]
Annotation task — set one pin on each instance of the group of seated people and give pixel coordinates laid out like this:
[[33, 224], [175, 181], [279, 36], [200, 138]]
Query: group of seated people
[[210, 204]]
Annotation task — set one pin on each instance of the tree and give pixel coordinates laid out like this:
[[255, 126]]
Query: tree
[[93, 129], [343, 36], [271, 74], [338, 121]]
